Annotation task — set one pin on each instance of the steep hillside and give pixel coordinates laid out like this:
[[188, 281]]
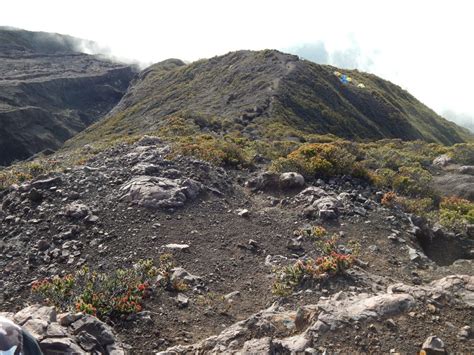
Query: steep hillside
[[249, 92], [49, 91]]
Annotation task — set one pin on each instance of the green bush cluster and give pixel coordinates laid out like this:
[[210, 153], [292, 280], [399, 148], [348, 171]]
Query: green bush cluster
[[456, 212], [330, 263], [107, 295], [318, 160], [462, 153]]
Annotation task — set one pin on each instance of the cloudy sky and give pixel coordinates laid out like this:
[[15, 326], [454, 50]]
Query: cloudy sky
[[424, 46]]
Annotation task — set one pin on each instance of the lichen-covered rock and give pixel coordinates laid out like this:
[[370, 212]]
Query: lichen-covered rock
[[291, 180], [158, 192]]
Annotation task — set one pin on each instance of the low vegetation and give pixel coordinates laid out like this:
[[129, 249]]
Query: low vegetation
[[330, 263], [391, 164], [455, 212], [108, 295]]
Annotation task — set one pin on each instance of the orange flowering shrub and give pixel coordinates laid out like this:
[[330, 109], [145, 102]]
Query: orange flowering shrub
[[113, 295], [389, 199], [329, 264]]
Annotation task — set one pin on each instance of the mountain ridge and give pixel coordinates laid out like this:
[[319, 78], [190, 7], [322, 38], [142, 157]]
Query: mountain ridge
[[247, 90]]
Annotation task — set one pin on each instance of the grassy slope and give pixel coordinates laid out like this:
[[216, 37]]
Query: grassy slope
[[296, 94]]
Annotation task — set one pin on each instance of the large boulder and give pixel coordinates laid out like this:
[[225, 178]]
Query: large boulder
[[442, 160], [274, 181], [466, 169], [291, 180], [159, 192], [67, 333]]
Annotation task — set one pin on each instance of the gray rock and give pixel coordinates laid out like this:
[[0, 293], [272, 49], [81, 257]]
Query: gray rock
[[417, 256], [442, 160], [99, 330], [232, 296], [327, 214], [465, 332], [258, 346], [182, 301], [60, 345], [145, 169], [266, 180], [87, 341], [295, 244], [35, 195], [36, 327], [467, 169], [180, 247], [243, 212], [273, 329], [76, 210], [43, 245], [470, 230], [433, 346], [36, 311], [55, 330], [157, 192], [310, 194], [180, 274], [91, 218], [115, 349], [291, 180], [327, 203], [46, 183]]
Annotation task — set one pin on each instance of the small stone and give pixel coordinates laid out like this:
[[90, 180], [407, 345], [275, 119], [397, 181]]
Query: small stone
[[433, 346], [181, 247], [230, 297], [390, 323], [295, 244], [253, 243], [243, 213], [91, 218], [432, 308], [35, 196], [182, 301], [327, 214], [373, 248], [43, 245], [465, 332], [66, 319]]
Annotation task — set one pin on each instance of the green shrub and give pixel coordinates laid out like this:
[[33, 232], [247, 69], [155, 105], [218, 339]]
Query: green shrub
[[329, 264], [455, 212], [412, 181], [106, 295], [317, 160], [462, 153], [212, 149]]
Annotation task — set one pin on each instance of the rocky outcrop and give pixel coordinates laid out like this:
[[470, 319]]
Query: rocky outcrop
[[49, 91], [279, 330], [66, 333], [272, 181], [156, 192]]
